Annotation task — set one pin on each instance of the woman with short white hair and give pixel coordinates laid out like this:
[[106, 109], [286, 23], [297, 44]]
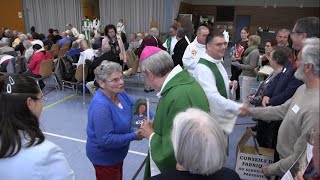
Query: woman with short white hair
[[87, 53], [199, 147]]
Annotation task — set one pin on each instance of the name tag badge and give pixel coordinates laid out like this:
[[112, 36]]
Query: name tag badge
[[295, 108]]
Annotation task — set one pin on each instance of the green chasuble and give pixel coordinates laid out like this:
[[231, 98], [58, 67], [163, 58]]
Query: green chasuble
[[86, 28], [219, 79], [180, 93]]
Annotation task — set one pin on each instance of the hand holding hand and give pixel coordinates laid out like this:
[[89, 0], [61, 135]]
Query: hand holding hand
[[244, 110], [146, 129], [265, 101], [139, 134]]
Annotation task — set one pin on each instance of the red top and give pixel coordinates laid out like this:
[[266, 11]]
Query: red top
[[36, 59]]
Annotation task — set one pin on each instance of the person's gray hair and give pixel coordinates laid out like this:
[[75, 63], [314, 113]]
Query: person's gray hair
[[29, 35], [180, 33], [154, 32], [201, 28], [2, 44], [75, 44], [195, 128], [284, 31], [310, 54], [105, 69], [6, 41], [26, 44], [159, 64], [23, 37], [308, 25]]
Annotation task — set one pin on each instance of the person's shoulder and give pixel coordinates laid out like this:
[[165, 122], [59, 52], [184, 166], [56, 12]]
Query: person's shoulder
[[41, 151], [226, 173]]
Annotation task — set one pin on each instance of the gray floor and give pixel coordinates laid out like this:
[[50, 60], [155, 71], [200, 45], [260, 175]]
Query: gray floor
[[64, 121]]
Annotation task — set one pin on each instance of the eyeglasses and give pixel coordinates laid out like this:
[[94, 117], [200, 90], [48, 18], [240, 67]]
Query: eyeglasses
[[116, 80], [220, 44], [295, 32], [43, 98]]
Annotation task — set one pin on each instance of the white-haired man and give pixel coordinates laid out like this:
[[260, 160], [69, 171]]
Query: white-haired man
[[177, 92], [298, 113]]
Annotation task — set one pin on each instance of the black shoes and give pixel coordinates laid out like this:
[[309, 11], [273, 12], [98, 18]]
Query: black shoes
[[148, 90]]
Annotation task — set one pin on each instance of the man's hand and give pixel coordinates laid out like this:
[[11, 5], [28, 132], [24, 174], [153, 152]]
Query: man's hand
[[265, 101], [244, 110], [265, 170], [146, 129]]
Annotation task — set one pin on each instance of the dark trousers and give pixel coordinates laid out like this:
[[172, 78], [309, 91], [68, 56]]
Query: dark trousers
[[112, 172], [235, 73], [267, 133]]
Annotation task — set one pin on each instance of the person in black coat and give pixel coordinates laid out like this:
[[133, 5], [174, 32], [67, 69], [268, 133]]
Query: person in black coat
[[180, 47]]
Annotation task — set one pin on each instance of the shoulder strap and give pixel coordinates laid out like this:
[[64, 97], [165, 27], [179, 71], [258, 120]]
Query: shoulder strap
[[156, 40], [219, 79]]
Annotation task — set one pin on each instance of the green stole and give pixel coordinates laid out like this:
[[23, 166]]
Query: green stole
[[169, 44], [219, 79], [86, 28]]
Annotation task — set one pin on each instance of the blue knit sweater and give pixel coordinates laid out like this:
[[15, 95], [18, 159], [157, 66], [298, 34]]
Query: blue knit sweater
[[108, 129]]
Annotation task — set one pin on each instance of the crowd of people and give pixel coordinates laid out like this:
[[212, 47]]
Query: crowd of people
[[188, 133]]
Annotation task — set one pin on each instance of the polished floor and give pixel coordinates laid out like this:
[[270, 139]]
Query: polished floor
[[64, 120]]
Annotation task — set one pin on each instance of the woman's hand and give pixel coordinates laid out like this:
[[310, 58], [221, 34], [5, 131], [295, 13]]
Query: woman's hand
[[138, 134], [146, 129], [265, 101]]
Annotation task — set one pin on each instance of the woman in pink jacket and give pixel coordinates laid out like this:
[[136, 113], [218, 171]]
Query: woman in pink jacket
[[36, 59]]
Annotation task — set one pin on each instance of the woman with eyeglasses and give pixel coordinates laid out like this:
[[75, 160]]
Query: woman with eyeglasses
[[24, 151], [109, 123]]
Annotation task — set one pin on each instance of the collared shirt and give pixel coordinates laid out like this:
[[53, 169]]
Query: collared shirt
[[174, 72]]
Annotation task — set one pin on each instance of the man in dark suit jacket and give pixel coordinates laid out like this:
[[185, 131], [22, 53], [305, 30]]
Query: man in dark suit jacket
[[180, 47]]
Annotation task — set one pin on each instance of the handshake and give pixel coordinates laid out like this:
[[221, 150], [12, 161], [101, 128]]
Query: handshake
[[145, 131], [244, 110]]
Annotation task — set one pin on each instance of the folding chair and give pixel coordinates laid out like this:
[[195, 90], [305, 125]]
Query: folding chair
[[46, 71], [80, 76]]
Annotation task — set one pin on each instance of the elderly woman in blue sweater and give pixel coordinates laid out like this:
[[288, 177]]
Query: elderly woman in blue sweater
[[108, 129]]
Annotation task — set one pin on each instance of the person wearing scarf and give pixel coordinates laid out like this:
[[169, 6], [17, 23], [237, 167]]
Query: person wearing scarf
[[250, 62]]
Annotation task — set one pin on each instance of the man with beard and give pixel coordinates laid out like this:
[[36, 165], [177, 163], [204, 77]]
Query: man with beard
[[298, 113]]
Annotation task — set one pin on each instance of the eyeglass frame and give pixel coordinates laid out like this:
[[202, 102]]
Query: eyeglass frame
[[296, 32], [115, 80]]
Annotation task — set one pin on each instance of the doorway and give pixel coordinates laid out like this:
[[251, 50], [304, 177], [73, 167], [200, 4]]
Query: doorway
[[90, 8]]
